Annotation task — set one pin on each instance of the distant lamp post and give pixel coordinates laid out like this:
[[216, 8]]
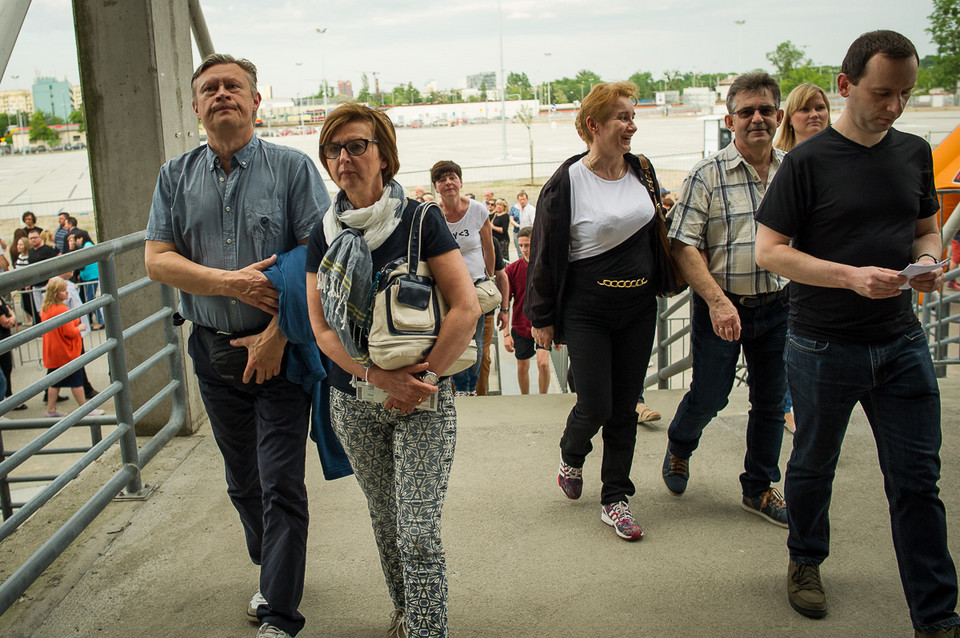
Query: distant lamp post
[[323, 69], [739, 24], [503, 82], [299, 104]]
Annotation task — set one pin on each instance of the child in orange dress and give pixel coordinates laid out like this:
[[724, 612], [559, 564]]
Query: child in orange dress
[[61, 346]]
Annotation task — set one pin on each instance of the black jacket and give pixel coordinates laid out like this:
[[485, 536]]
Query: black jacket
[[550, 245]]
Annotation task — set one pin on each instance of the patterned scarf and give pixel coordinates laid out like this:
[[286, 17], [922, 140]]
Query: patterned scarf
[[345, 276]]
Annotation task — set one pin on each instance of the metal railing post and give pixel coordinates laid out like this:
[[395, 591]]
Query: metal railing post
[[168, 297], [663, 333], [117, 359]]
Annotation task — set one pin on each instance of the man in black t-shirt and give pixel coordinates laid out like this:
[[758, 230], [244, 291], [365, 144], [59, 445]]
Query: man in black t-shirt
[[858, 203]]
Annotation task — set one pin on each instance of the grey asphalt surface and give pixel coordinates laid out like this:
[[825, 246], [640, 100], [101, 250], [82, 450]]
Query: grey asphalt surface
[[522, 559]]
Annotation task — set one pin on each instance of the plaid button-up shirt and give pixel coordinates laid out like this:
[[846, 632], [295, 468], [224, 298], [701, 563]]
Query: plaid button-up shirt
[[715, 213]]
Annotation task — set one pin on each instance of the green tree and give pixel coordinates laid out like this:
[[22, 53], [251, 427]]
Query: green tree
[[672, 80], [786, 57], [40, 131], [944, 30], [78, 116], [364, 94], [483, 91], [645, 84], [519, 84], [575, 88]]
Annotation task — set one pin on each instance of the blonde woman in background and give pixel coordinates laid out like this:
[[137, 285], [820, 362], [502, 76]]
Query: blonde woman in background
[[806, 113]]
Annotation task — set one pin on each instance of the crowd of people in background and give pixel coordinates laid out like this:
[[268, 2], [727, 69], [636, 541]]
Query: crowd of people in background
[[32, 244]]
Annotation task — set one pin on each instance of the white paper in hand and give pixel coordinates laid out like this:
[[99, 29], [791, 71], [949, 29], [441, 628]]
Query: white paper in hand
[[913, 270]]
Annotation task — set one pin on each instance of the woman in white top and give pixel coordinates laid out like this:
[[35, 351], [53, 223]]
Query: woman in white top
[[593, 282], [470, 226]]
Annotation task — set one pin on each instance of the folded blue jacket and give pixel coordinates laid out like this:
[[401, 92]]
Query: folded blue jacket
[[306, 365]]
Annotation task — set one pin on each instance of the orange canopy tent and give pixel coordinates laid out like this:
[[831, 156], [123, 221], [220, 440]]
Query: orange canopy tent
[[946, 170]]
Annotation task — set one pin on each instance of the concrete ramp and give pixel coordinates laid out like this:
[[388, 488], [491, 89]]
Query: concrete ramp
[[523, 560]]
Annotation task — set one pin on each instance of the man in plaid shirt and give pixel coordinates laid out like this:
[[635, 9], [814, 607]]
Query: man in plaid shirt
[[737, 306]]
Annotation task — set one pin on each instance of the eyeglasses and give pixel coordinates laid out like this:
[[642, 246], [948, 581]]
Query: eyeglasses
[[747, 112], [355, 147]]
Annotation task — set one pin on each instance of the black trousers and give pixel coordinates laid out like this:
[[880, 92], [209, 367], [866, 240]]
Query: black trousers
[[609, 342], [261, 431]]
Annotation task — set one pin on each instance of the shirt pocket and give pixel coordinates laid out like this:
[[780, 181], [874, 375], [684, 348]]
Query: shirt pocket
[[263, 224]]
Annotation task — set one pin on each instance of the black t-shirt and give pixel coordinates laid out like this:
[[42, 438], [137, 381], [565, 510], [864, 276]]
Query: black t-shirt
[[40, 254], [846, 203], [434, 240]]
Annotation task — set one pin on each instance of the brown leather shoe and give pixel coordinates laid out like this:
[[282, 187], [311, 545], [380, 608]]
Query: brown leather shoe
[[805, 590]]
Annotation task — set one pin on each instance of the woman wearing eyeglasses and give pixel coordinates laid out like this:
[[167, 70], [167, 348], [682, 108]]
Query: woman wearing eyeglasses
[[400, 455]]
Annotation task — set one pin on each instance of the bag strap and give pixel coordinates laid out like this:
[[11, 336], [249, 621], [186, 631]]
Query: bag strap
[[652, 185], [416, 230]]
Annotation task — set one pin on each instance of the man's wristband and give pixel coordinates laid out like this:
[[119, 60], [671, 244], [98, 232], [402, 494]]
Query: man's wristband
[[935, 260], [504, 309]]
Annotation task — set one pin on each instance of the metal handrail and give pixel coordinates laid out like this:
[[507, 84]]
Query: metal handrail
[[127, 478]]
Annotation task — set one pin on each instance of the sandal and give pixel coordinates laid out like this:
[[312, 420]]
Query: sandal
[[645, 414], [789, 423]]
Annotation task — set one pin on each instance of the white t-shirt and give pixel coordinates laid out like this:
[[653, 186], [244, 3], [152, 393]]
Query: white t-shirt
[[604, 213], [527, 214], [467, 233]]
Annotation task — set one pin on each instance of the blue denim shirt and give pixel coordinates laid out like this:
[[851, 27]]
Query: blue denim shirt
[[269, 202]]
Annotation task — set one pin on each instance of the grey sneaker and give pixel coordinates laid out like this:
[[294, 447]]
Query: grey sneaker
[[805, 590], [676, 473], [768, 505], [269, 631], [398, 625], [255, 602]]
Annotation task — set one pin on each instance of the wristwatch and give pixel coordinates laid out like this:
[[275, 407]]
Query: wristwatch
[[430, 377]]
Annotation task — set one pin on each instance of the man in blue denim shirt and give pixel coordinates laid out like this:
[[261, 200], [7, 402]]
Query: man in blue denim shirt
[[848, 210], [220, 214]]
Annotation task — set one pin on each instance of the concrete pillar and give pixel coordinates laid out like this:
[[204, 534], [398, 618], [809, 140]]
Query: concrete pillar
[[135, 66]]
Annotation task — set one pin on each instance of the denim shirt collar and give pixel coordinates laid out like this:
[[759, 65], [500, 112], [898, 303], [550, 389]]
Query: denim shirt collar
[[243, 157]]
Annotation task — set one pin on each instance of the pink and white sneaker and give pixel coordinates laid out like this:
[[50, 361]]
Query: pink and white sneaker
[[570, 480], [618, 516]]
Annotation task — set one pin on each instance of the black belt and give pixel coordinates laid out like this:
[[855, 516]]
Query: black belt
[[755, 301]]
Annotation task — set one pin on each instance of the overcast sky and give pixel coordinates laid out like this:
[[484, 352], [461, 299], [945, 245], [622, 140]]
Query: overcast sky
[[422, 40]]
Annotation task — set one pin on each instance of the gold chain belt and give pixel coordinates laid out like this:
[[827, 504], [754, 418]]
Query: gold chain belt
[[623, 283]]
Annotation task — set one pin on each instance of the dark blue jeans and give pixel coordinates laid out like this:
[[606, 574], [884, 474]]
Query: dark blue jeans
[[762, 336], [895, 383], [466, 380], [261, 431]]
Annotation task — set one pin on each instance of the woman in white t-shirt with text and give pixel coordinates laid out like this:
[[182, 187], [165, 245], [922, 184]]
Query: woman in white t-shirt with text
[[470, 226]]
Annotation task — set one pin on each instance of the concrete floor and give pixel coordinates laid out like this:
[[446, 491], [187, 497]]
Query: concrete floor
[[522, 559]]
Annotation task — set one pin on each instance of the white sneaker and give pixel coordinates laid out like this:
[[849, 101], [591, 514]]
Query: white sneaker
[[255, 602], [398, 625], [269, 631]]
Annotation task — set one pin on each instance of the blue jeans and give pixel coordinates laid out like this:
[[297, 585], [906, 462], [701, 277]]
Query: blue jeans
[[466, 381], [762, 337], [87, 293], [895, 383]]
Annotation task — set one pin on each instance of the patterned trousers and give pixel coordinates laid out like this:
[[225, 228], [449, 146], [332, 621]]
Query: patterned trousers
[[402, 464]]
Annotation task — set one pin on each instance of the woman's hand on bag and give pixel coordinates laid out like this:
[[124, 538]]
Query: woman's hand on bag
[[405, 389]]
